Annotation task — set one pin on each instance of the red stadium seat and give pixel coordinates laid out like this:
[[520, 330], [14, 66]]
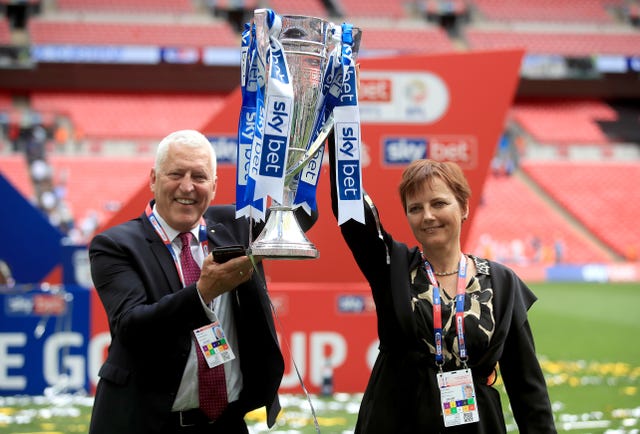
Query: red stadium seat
[[603, 196], [313, 8], [406, 40], [355, 9], [594, 11], [87, 190], [14, 169], [107, 115], [120, 33], [511, 214], [5, 32], [569, 43], [140, 6], [547, 121]]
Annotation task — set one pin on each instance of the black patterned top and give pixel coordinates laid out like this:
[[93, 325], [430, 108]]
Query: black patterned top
[[478, 312]]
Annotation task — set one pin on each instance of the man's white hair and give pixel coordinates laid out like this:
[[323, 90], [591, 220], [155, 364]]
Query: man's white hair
[[189, 138]]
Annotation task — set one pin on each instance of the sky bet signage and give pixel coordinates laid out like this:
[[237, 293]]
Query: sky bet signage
[[45, 339], [400, 151], [446, 106]]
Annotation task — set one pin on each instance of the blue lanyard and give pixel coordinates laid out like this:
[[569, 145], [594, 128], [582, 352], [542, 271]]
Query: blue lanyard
[[437, 310]]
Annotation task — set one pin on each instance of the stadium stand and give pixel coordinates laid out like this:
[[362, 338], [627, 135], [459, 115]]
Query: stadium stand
[[578, 196], [357, 9], [5, 32], [546, 121], [49, 31], [14, 168], [138, 6], [76, 180], [583, 11], [314, 8], [84, 176], [511, 216], [11, 2], [248, 5], [603, 196], [425, 39], [568, 43], [130, 116], [439, 7], [631, 13]]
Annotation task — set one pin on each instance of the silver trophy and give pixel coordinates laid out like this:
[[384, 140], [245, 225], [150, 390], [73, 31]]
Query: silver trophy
[[307, 42]]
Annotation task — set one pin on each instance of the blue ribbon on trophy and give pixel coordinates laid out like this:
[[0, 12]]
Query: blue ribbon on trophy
[[331, 85], [251, 88], [348, 143], [272, 153]]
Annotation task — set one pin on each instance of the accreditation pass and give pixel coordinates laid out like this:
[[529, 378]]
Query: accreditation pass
[[457, 397], [213, 344]]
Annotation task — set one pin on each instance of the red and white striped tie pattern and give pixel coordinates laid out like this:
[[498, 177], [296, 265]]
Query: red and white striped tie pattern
[[212, 387]]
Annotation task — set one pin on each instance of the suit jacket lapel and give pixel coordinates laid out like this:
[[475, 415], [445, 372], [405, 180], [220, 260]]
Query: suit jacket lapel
[[162, 255], [218, 235]]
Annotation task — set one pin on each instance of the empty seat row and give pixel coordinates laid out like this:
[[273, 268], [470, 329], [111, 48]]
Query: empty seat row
[[44, 31]]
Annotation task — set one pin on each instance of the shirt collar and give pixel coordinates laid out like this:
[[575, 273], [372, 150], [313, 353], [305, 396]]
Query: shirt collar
[[171, 232]]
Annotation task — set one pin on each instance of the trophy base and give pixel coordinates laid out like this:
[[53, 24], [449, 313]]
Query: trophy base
[[282, 238]]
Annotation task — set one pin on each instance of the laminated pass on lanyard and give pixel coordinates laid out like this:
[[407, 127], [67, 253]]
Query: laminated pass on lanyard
[[457, 393]]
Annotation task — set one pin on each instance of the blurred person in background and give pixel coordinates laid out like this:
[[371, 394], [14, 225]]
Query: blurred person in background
[[6, 278], [149, 382], [447, 321]]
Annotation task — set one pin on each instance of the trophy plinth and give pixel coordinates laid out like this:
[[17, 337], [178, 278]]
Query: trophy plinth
[[282, 238]]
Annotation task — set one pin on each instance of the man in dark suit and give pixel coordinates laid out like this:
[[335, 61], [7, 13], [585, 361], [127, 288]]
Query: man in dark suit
[[149, 381]]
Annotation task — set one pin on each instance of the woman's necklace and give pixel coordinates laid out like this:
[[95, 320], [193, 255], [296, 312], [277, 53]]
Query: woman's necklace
[[447, 273]]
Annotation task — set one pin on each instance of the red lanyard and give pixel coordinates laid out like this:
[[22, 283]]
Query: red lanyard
[[204, 243], [437, 310]]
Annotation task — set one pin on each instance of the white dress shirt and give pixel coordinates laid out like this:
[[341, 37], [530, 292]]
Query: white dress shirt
[[187, 396]]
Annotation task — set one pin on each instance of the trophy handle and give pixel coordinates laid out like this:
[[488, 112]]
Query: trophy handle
[[317, 143]]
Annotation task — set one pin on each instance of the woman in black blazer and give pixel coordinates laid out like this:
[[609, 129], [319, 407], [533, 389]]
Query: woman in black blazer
[[424, 380]]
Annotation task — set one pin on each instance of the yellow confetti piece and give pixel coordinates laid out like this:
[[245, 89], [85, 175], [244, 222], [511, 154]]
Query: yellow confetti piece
[[257, 415], [331, 421], [7, 411]]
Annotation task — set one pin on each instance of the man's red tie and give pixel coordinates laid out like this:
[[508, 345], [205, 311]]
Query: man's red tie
[[212, 387]]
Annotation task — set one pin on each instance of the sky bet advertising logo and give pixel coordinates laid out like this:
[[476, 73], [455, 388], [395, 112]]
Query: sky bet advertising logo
[[400, 151], [355, 304]]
